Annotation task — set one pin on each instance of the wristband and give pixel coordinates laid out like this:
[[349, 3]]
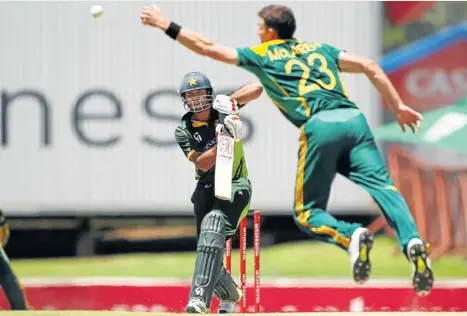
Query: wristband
[[173, 30]]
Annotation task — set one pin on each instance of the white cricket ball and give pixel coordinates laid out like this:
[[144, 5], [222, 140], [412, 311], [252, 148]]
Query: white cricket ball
[[97, 11]]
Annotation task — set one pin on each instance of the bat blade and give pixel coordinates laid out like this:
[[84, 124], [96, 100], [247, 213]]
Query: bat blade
[[224, 165]]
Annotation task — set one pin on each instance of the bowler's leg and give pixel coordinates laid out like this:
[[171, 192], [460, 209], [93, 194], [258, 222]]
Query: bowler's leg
[[363, 165], [366, 168], [317, 158], [321, 144]]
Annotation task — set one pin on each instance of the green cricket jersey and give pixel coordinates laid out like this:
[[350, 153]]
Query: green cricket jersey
[[196, 136], [301, 78]]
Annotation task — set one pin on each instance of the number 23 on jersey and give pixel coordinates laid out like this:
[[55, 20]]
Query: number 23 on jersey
[[304, 86]]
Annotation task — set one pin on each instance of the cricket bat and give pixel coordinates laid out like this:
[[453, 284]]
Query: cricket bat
[[224, 162]]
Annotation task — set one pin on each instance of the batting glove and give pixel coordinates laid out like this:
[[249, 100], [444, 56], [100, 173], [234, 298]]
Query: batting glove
[[225, 105], [234, 126]]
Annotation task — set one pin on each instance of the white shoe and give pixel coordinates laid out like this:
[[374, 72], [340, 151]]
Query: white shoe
[[228, 307], [422, 276], [359, 252], [196, 306]]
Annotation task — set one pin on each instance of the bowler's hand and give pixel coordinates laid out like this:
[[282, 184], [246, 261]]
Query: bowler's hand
[[152, 15], [409, 117]]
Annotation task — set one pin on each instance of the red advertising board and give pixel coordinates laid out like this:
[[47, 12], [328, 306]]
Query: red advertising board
[[433, 81], [172, 297], [431, 72], [402, 12]]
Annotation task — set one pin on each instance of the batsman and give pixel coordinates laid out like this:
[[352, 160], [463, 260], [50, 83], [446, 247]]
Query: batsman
[[8, 281], [216, 219], [303, 80]]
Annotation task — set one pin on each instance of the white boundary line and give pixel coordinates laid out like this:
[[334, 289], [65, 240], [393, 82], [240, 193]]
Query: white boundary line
[[265, 282]]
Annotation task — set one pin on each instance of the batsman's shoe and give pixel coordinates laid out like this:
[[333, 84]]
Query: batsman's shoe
[[197, 306], [422, 275], [359, 251], [228, 307]]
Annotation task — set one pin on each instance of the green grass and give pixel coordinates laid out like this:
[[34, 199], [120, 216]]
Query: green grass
[[298, 259]]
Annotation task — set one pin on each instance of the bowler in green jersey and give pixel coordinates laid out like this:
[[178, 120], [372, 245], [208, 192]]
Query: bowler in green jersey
[[303, 80]]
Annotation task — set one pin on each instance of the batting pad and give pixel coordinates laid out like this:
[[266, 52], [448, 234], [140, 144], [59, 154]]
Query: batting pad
[[226, 288], [210, 254]]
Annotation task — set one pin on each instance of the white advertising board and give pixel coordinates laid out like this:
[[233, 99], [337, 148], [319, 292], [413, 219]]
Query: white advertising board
[[89, 106]]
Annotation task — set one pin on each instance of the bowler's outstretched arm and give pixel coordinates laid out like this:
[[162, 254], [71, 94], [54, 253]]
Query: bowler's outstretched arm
[[194, 41]]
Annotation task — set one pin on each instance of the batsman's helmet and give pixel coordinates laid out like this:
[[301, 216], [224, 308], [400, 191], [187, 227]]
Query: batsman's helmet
[[196, 81]]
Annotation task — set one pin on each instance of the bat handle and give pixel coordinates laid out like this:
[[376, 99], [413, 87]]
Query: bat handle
[[221, 118], [220, 125]]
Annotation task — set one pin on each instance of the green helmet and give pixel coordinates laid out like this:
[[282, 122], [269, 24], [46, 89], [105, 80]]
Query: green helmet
[[197, 101]]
